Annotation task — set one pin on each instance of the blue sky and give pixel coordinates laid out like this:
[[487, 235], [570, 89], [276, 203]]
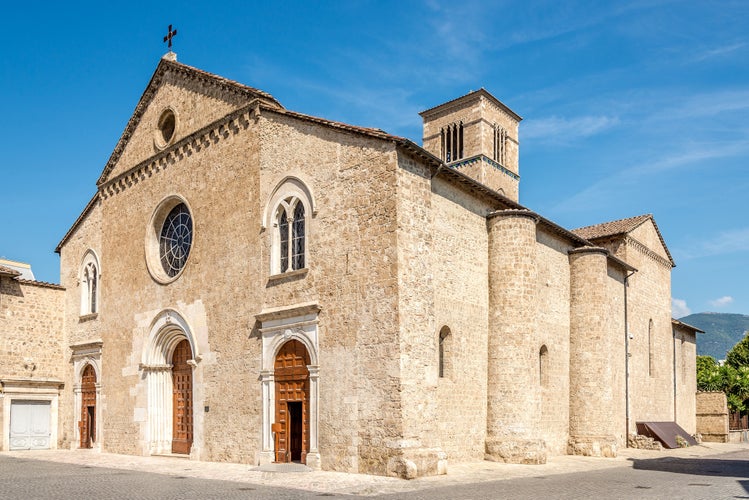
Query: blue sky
[[628, 108]]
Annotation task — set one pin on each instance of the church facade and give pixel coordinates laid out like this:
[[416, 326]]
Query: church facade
[[251, 284]]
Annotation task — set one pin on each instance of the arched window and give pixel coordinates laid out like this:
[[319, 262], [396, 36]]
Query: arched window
[[451, 138], [288, 217], [445, 344], [543, 366], [89, 284], [291, 235], [651, 350]]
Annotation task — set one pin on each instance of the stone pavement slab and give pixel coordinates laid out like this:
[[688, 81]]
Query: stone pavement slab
[[301, 477]]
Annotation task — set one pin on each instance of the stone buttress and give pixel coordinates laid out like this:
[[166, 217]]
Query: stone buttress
[[513, 391], [592, 431]]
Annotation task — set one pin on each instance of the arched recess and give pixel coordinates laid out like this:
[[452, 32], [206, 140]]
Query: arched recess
[[168, 330], [278, 327]]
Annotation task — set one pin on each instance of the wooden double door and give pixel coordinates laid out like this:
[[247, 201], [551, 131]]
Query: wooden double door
[[182, 417], [87, 423], [291, 378]]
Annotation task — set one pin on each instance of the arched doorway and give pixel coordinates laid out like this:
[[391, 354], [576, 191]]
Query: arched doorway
[[292, 402], [87, 423], [182, 398]]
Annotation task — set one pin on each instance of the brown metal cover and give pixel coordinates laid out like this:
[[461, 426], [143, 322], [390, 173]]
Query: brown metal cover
[[665, 432]]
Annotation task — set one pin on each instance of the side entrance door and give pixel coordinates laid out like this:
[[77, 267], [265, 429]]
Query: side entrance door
[[292, 399]]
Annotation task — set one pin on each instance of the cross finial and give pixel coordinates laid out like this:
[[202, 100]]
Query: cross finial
[[170, 34]]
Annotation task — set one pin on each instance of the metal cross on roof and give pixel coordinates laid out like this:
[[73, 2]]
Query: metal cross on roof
[[171, 34]]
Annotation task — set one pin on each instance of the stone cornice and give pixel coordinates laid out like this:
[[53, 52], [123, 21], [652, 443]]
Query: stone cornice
[[514, 213], [206, 137], [643, 249], [483, 158]]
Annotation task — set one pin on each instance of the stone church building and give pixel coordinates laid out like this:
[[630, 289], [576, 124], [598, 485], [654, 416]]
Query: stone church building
[[252, 284]]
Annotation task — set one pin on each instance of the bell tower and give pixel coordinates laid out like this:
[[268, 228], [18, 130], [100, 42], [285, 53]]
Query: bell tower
[[478, 135]]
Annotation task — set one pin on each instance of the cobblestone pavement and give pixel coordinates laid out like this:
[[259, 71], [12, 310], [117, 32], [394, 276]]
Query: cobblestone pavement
[[707, 471]]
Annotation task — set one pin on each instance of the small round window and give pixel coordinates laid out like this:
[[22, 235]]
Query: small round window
[[167, 124], [175, 240]]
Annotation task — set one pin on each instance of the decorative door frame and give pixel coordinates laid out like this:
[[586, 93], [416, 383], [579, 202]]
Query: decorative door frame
[[278, 326], [167, 330], [84, 354]]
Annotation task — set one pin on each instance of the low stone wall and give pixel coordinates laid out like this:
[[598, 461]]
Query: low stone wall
[[738, 436], [712, 417]]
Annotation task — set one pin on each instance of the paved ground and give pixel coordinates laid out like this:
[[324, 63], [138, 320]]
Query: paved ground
[[706, 471]]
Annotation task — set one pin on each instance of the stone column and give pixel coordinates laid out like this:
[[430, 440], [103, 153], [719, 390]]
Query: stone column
[[513, 390], [267, 454], [313, 455], [592, 432]]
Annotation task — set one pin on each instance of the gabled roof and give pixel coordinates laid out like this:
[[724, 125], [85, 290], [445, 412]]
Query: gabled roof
[[165, 66], [620, 228], [686, 326]]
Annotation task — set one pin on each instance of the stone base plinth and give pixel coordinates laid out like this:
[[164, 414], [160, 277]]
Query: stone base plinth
[[516, 451], [413, 463], [592, 446]]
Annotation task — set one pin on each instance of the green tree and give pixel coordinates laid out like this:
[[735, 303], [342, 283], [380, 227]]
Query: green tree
[[739, 354]]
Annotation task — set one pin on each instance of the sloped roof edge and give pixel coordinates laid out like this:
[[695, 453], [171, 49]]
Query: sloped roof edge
[[78, 221], [150, 91], [621, 227]]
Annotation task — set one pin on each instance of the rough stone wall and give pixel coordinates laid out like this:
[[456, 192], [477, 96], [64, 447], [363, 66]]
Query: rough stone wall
[[87, 236], [353, 274], [32, 340], [712, 416], [553, 325], [651, 359], [31, 321], [416, 321], [686, 379], [459, 266]]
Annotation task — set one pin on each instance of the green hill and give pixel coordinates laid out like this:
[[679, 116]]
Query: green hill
[[722, 331]]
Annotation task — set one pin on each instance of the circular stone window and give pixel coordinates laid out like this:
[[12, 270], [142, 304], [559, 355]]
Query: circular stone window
[[169, 240], [166, 126]]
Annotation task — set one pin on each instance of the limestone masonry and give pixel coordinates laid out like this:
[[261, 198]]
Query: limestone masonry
[[250, 284]]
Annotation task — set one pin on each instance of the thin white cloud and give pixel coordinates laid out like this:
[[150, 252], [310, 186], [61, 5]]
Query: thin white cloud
[[736, 240], [722, 302], [718, 51], [561, 129], [679, 308]]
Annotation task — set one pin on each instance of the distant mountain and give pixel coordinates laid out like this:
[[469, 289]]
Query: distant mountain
[[722, 331]]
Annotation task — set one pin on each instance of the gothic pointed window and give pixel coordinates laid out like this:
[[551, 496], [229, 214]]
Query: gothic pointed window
[[289, 214], [283, 234], [297, 253], [89, 284], [291, 236]]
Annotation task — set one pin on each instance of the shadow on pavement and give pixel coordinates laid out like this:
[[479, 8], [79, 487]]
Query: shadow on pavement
[[697, 467]]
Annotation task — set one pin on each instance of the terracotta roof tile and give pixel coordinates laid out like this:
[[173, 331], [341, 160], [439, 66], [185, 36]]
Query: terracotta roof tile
[[612, 228], [6, 271]]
